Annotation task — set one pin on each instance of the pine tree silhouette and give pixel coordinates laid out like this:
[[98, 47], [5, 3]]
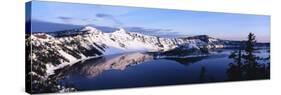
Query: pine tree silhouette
[[249, 57], [236, 68], [246, 65]]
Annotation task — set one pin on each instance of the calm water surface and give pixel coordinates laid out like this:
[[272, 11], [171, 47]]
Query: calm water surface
[[141, 69]]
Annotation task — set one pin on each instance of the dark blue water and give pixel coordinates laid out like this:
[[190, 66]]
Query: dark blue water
[[141, 69]]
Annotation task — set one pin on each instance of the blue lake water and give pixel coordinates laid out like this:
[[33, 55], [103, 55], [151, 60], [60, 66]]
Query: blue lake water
[[141, 69]]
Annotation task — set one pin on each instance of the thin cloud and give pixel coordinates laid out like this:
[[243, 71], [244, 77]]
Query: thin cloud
[[65, 19], [147, 30], [76, 21], [109, 17], [101, 15]]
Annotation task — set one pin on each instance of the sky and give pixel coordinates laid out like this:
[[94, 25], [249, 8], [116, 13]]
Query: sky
[[159, 22]]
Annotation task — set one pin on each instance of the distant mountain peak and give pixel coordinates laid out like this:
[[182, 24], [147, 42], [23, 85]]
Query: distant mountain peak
[[42, 36], [121, 30], [203, 36], [90, 29]]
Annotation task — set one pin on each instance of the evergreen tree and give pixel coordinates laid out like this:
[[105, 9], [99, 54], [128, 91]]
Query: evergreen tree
[[246, 64], [251, 64], [237, 57], [236, 68]]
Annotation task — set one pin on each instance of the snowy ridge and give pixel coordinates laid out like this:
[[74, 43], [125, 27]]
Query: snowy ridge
[[55, 51]]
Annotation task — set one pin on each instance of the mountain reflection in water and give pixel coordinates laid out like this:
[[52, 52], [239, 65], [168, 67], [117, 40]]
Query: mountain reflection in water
[[142, 69], [94, 67]]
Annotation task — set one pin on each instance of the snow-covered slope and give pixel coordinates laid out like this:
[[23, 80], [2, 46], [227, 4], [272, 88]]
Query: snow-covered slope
[[52, 51], [207, 42]]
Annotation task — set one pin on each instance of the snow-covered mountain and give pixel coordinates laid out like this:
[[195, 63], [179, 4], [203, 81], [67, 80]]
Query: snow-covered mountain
[[207, 41], [51, 51], [48, 52]]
